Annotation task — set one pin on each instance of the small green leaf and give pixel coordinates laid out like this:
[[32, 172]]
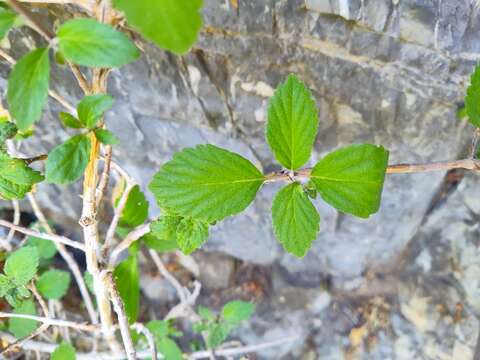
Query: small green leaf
[[92, 108], [23, 327], [28, 88], [135, 211], [234, 312], [89, 281], [207, 183], [292, 123], [67, 162], [169, 349], [217, 334], [89, 43], [295, 219], [7, 20], [64, 351], [127, 278], [171, 24], [206, 313], [70, 121], [191, 234], [5, 285], [46, 249], [106, 137], [53, 284], [158, 328], [158, 244], [472, 99], [8, 130], [16, 177], [21, 266], [351, 179]]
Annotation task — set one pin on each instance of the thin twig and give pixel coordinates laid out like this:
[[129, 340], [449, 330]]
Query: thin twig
[[105, 177], [132, 236], [474, 145], [16, 220], [52, 322], [31, 19], [119, 309], [54, 238], [169, 277], [149, 336]]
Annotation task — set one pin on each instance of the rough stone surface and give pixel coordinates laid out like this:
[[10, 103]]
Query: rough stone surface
[[402, 284]]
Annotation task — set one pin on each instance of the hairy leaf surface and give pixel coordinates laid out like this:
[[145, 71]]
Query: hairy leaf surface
[[53, 284], [351, 179], [292, 123], [21, 266], [92, 107], [295, 220], [191, 234]]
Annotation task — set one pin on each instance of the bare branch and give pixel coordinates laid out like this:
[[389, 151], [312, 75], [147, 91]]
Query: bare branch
[[169, 277], [31, 19], [150, 339], [133, 236], [104, 179], [52, 322]]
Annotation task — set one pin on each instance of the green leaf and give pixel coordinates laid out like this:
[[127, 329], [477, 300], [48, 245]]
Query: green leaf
[[16, 177], [171, 24], [158, 328], [89, 43], [23, 327], [7, 20], [106, 137], [21, 266], [206, 313], [53, 284], [158, 244], [237, 311], [217, 334], [207, 183], [70, 121], [5, 285], [65, 351], [67, 162], [46, 249], [135, 211], [169, 349], [89, 281], [8, 130], [351, 179], [295, 220], [472, 99], [28, 88], [292, 123], [191, 234], [127, 278], [92, 108]]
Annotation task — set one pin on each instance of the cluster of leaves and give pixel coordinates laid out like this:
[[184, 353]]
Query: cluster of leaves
[[217, 327], [203, 185]]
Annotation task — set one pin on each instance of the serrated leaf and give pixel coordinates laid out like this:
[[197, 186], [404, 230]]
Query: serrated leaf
[[8, 130], [89, 43], [472, 99], [171, 24], [21, 266], [7, 20], [92, 107], [106, 137], [23, 327], [351, 179], [295, 220], [234, 312], [70, 121], [207, 183], [16, 177], [135, 211], [46, 249], [67, 162], [292, 123], [191, 234], [169, 349], [217, 334], [28, 88], [127, 279], [53, 284], [64, 351], [163, 233], [158, 244]]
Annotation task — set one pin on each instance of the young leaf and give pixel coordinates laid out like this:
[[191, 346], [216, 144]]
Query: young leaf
[[23, 327], [169, 349], [158, 328], [46, 249], [5, 285], [16, 177], [351, 179], [207, 183], [28, 87], [89, 43], [158, 244], [127, 278], [191, 234], [206, 313], [68, 120], [106, 137], [64, 351], [171, 24], [217, 334], [92, 107], [472, 99], [21, 266], [135, 211], [7, 20], [292, 123], [53, 284], [67, 162], [295, 219], [234, 312]]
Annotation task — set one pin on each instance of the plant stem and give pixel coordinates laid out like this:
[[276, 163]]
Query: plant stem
[[52, 322]]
